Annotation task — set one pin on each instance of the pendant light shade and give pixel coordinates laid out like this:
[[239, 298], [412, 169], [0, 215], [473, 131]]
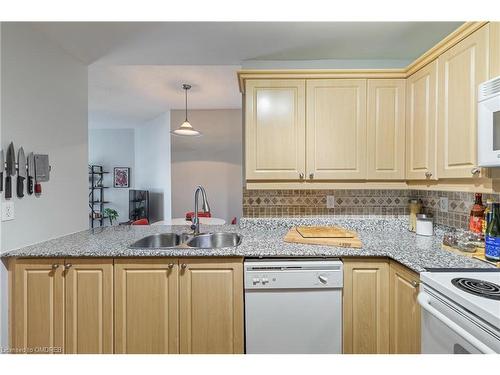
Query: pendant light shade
[[186, 129]]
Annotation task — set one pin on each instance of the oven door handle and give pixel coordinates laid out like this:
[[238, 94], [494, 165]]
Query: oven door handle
[[425, 302]]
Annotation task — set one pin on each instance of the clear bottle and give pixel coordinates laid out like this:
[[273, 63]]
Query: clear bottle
[[492, 240]]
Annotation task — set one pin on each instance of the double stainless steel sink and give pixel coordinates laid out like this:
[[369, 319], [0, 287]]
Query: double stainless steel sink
[[185, 240]]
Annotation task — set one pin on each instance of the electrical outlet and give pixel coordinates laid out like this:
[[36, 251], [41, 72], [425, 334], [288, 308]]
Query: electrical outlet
[[7, 211], [330, 201], [443, 204]]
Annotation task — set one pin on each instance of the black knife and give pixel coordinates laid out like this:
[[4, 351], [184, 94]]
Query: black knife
[[21, 172], [10, 170], [2, 168], [31, 173]]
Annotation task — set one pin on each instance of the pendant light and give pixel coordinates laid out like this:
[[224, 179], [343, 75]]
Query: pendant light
[[186, 129]]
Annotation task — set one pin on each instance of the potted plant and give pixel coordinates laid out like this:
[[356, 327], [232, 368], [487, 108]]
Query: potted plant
[[111, 214]]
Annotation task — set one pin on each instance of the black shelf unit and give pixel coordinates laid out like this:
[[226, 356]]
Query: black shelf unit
[[138, 204], [96, 195]]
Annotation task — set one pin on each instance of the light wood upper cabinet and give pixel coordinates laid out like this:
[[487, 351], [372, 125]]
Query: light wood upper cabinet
[[38, 306], [460, 70], [404, 310], [89, 306], [421, 118], [366, 306], [211, 306], [275, 129], [336, 129], [494, 49], [146, 303], [386, 129]]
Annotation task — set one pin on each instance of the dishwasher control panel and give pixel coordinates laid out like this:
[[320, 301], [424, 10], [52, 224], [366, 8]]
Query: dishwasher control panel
[[298, 274]]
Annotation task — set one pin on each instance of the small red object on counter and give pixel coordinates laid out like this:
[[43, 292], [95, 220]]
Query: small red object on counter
[[140, 222], [189, 215]]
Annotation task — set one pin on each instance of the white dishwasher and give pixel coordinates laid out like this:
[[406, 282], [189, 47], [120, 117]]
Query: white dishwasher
[[293, 306]]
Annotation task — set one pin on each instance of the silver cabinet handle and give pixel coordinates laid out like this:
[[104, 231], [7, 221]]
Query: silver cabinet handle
[[183, 266], [475, 171], [301, 176], [415, 283], [311, 175], [428, 174], [170, 265], [55, 266], [67, 266]]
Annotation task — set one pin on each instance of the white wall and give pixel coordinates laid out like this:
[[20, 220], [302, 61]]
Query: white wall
[[114, 148], [4, 288], [152, 160], [44, 109], [213, 160]]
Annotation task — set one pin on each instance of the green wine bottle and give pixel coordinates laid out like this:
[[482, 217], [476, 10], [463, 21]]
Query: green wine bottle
[[492, 240]]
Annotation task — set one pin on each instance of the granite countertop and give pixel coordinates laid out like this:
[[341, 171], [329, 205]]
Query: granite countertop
[[381, 236]]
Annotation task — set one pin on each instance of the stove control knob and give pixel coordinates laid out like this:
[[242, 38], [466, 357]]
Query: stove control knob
[[255, 281], [265, 280]]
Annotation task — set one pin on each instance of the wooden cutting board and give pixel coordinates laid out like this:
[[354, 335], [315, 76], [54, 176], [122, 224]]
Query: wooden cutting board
[[325, 232], [478, 254], [295, 237]]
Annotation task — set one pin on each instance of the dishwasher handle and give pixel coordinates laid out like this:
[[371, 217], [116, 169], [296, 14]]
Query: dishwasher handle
[[425, 302]]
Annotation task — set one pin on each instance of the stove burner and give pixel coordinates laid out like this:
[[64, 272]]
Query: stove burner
[[478, 287]]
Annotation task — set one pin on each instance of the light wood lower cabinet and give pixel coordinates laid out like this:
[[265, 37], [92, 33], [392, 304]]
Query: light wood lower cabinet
[[381, 312], [404, 310], [37, 295], [211, 306], [62, 306], [89, 306], [146, 303], [366, 306]]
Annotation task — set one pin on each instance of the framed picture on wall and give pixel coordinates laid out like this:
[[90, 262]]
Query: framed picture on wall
[[121, 177]]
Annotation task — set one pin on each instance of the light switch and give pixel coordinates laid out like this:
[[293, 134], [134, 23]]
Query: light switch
[[7, 211]]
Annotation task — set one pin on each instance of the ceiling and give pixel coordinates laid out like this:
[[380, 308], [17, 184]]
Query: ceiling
[[127, 95], [136, 68]]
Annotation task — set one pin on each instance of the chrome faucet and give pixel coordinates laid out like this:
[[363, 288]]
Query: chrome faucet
[[195, 226]]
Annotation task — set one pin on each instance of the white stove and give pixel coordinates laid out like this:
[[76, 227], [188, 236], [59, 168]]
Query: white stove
[[460, 311]]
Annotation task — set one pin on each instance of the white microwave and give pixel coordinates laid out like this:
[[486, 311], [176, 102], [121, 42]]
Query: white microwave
[[488, 121]]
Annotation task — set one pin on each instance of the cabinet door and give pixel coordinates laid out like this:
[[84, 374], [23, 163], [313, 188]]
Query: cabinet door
[[146, 294], [494, 49], [38, 306], [460, 70], [336, 129], [386, 129], [404, 311], [421, 123], [366, 306], [211, 306], [275, 129], [89, 305]]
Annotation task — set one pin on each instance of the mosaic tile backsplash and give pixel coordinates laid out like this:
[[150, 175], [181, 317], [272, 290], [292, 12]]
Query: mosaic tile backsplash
[[293, 203]]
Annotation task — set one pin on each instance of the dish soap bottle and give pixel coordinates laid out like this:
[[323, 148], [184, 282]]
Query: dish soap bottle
[[477, 215], [492, 241]]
